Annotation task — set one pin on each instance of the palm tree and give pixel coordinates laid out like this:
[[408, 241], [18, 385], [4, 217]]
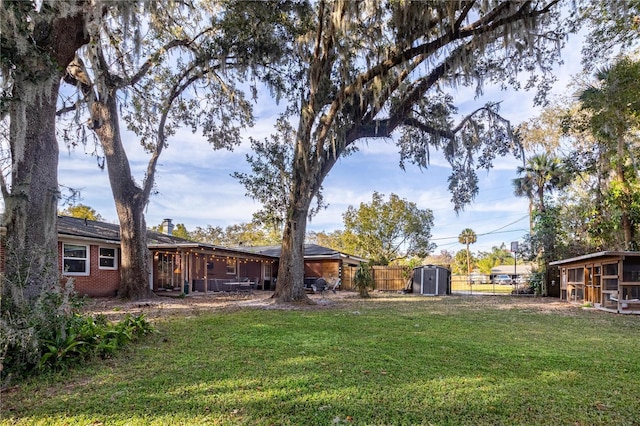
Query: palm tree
[[467, 236], [541, 174], [614, 105]]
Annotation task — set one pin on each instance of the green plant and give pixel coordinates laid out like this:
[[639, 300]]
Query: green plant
[[535, 282], [363, 280], [62, 351], [87, 336], [28, 326]]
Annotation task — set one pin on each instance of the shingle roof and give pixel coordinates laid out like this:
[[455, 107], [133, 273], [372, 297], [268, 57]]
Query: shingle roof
[[109, 232], [76, 227], [310, 251]]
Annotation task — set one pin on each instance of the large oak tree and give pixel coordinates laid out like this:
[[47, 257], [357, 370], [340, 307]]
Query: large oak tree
[[183, 74], [121, 73], [37, 44], [371, 68]]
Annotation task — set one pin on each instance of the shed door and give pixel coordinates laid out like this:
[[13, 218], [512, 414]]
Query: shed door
[[430, 281]]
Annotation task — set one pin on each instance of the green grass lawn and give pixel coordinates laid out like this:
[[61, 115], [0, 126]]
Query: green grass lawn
[[401, 360]]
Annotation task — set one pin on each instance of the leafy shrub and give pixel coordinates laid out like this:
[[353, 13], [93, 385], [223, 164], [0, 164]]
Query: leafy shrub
[[363, 280], [535, 282], [50, 333], [87, 337], [26, 324]]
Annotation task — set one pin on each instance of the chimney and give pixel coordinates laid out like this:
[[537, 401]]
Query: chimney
[[167, 227]]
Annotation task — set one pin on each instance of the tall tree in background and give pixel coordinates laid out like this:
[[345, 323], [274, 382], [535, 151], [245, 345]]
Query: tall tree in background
[[39, 39], [614, 104], [496, 257], [467, 237], [386, 231], [542, 174], [461, 263], [613, 29], [367, 70], [250, 234], [444, 258], [340, 240], [82, 211], [243, 234]]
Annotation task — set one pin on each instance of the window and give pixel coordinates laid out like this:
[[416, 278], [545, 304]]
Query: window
[[75, 259], [631, 271], [631, 292], [610, 284], [231, 266], [576, 275], [610, 269], [107, 258]]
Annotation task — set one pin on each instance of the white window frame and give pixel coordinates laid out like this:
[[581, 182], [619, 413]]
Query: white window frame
[[86, 259], [115, 258]]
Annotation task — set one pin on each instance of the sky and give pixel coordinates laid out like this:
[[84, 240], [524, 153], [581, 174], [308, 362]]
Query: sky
[[194, 186]]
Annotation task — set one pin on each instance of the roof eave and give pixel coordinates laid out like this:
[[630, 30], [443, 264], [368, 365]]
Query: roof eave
[[62, 236], [594, 256]]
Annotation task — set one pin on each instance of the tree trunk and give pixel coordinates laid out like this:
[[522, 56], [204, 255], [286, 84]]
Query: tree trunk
[[627, 227], [31, 264], [31, 218], [134, 263], [290, 284], [129, 199]]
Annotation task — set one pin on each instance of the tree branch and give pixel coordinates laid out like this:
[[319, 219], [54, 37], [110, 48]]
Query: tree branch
[[146, 66], [484, 25], [178, 88]]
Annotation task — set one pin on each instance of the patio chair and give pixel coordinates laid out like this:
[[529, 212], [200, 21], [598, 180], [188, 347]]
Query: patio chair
[[319, 286], [212, 284]]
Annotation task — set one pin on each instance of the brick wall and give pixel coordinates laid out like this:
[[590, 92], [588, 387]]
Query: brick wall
[[100, 282]]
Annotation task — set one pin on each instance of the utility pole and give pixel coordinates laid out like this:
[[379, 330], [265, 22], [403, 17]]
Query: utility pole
[[514, 249], [466, 240]]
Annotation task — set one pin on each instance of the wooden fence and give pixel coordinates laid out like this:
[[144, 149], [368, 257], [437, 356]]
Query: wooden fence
[[394, 278], [386, 278]]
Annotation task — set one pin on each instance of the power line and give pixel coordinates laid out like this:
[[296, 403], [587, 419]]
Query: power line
[[495, 231]]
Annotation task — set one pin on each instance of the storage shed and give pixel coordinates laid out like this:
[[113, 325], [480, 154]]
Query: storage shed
[[431, 280], [610, 280]]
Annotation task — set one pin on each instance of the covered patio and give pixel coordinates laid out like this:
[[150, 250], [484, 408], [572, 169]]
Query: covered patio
[[201, 268]]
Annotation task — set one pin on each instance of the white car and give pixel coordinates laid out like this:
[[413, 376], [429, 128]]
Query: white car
[[502, 279], [477, 278]]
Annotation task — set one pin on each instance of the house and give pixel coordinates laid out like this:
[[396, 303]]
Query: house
[[323, 262], [89, 252], [518, 272], [609, 280], [182, 265]]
